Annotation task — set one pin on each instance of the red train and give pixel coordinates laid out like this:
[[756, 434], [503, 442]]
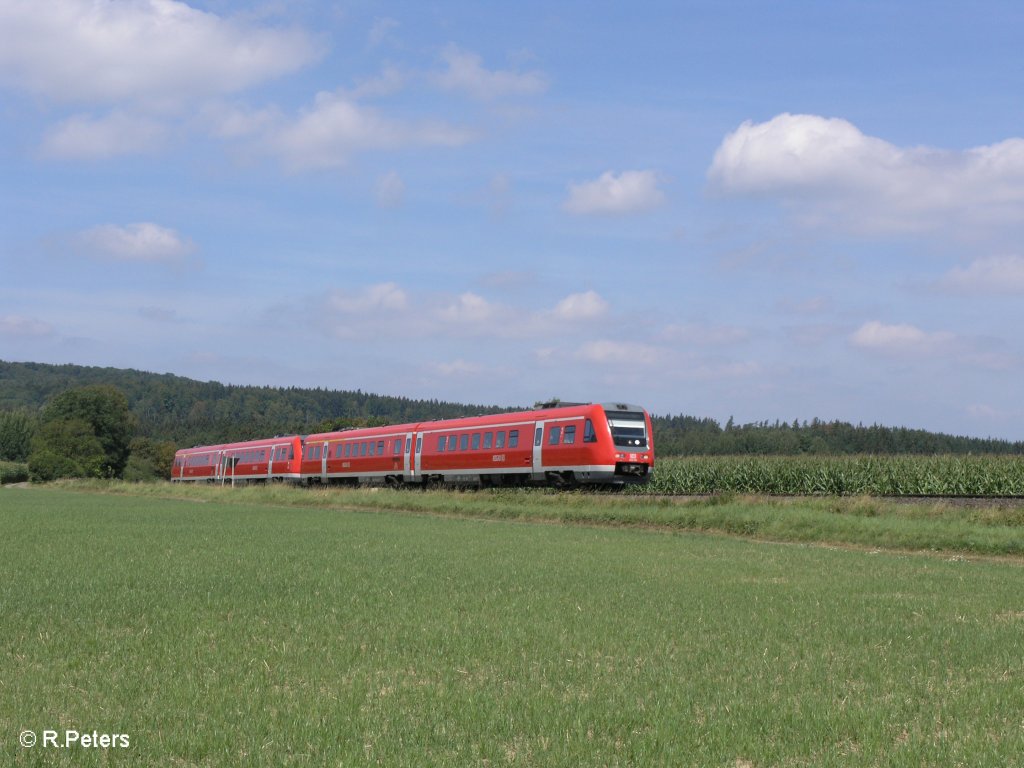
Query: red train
[[563, 445]]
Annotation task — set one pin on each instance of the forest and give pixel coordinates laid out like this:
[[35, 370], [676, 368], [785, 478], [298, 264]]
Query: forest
[[164, 411]]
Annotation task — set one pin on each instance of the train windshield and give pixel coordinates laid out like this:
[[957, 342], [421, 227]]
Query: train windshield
[[629, 430]]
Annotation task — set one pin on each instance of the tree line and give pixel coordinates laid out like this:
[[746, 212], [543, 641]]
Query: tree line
[[66, 420]]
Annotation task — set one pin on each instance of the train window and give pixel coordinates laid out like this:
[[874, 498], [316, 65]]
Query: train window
[[408, 444], [499, 441], [348, 450], [555, 436], [291, 453], [570, 435], [589, 435], [476, 441], [362, 449], [398, 446], [463, 442], [513, 438], [537, 435], [488, 440], [419, 444], [380, 447], [453, 442], [441, 441], [373, 448]]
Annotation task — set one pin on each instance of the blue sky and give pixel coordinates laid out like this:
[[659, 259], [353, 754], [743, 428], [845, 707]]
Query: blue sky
[[752, 209]]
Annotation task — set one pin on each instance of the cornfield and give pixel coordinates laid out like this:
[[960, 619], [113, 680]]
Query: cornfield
[[987, 476]]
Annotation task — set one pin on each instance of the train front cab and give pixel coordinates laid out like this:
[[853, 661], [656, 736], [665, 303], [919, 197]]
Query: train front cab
[[633, 441], [607, 444]]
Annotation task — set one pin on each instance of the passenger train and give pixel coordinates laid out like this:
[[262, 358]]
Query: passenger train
[[562, 445]]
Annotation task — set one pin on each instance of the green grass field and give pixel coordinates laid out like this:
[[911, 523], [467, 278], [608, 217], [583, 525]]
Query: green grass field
[[261, 630]]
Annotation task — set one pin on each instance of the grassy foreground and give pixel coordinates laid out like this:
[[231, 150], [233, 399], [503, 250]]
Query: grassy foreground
[[220, 630], [990, 529]]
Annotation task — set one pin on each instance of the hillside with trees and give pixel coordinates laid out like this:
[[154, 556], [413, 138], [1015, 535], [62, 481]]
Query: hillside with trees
[[65, 415]]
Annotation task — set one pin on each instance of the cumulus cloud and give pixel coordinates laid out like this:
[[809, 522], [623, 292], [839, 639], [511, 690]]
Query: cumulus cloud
[[465, 72], [458, 368], [899, 338], [21, 327], [701, 334], [986, 276], [581, 306], [382, 296], [381, 30], [85, 137], [469, 308], [336, 127], [831, 172], [609, 352], [151, 51], [390, 190], [943, 348], [386, 310], [627, 192], [143, 242]]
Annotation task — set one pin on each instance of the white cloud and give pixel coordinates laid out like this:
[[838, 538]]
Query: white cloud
[[705, 335], [466, 73], [381, 30], [336, 127], [83, 137], [627, 192], [471, 309], [150, 51], [832, 173], [390, 190], [986, 276], [458, 368], [390, 80], [21, 327], [608, 352], [383, 296], [226, 121], [581, 306], [899, 338], [144, 242]]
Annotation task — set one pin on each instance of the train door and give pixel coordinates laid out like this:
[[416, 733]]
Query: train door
[[418, 463], [407, 459], [538, 447], [218, 467], [323, 464]]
